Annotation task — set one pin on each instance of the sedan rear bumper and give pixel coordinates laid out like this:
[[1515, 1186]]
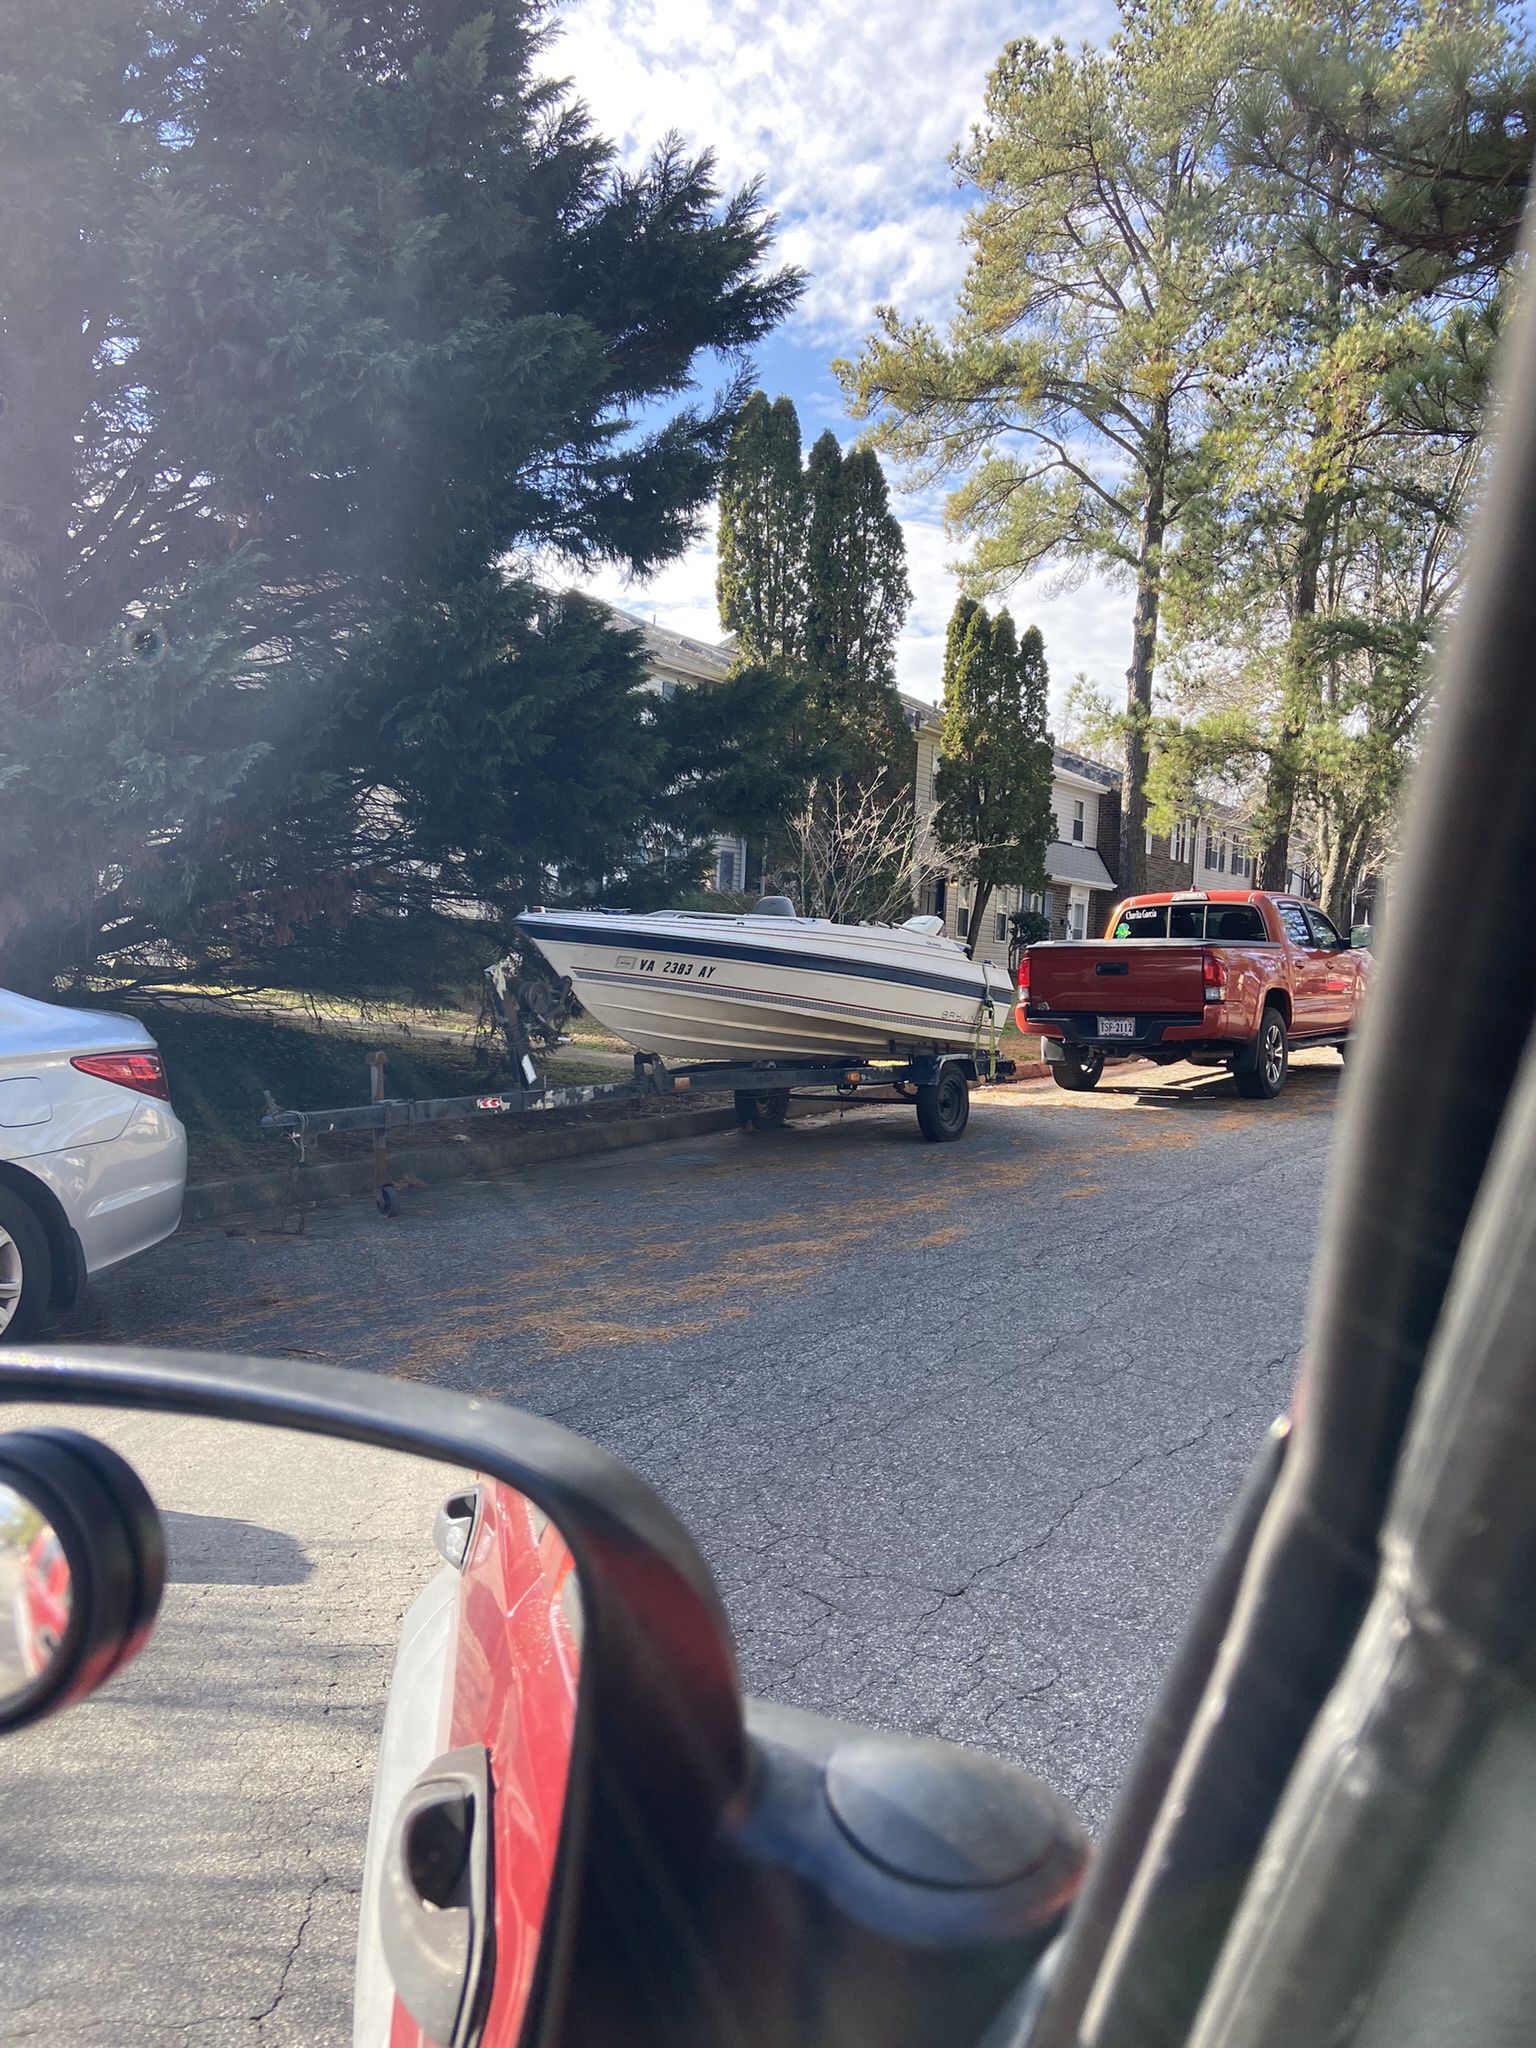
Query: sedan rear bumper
[[123, 1195]]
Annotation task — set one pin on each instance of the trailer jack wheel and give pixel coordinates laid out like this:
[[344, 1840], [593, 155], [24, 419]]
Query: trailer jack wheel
[[388, 1200], [943, 1106], [761, 1111]]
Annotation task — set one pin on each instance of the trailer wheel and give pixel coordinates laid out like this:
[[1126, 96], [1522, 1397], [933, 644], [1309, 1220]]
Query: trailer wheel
[[943, 1106], [387, 1201], [761, 1112]]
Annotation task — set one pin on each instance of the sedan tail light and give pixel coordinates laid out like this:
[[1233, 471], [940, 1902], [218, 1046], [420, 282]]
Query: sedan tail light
[[143, 1072], [1213, 972]]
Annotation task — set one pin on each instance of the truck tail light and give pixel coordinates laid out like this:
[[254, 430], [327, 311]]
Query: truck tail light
[[143, 1072], [1024, 979], [1213, 972]]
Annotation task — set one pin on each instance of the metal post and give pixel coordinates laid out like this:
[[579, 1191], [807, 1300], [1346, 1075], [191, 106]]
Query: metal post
[[383, 1187]]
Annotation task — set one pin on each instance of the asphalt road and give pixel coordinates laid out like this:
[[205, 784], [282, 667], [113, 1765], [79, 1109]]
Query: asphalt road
[[957, 1426]]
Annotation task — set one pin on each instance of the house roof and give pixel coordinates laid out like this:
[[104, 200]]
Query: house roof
[[1091, 771], [709, 661], [1069, 862], [922, 715]]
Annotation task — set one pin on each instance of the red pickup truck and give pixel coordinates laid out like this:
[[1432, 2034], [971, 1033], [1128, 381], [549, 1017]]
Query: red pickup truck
[[1231, 978]]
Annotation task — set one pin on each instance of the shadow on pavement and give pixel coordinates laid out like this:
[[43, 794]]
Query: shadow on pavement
[[217, 1550]]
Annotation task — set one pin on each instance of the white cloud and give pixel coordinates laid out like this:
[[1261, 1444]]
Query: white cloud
[[847, 111]]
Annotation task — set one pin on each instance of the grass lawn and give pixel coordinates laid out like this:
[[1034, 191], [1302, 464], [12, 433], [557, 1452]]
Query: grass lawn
[[1019, 1045], [220, 1060]]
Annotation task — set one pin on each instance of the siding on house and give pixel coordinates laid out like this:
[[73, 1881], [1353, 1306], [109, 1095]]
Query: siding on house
[[675, 661], [1081, 883]]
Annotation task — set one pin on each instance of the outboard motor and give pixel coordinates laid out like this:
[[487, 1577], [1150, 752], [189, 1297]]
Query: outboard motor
[[774, 906]]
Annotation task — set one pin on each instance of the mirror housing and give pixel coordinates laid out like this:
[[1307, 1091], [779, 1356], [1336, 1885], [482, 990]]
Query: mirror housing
[[723, 1871]]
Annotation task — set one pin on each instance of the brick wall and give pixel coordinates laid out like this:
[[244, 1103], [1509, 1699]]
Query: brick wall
[[1108, 840], [1163, 872]]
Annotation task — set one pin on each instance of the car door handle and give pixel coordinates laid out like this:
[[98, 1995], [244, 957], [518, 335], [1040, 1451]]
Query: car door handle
[[436, 1898]]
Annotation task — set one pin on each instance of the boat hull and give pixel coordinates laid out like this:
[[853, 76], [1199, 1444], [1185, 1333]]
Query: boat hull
[[718, 988]]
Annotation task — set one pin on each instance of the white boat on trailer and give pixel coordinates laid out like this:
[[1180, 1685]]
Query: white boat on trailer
[[764, 1005], [770, 986]]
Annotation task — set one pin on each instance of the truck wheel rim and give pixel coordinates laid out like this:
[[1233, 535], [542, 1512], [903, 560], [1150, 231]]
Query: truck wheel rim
[[1274, 1055], [10, 1278]]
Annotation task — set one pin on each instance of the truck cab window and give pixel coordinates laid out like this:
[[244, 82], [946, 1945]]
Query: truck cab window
[[1142, 921]]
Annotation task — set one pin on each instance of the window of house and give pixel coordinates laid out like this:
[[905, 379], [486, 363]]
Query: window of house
[[1149, 839], [1181, 842], [1000, 927], [1079, 818], [963, 921], [725, 868]]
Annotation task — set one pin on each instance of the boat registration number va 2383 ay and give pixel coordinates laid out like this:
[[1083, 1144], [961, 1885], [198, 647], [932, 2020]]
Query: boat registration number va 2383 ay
[[649, 965]]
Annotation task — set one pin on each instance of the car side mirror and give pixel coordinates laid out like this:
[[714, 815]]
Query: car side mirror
[[703, 1867]]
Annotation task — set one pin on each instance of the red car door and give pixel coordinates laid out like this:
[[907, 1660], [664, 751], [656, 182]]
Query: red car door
[[1309, 972], [1340, 974], [513, 1685]]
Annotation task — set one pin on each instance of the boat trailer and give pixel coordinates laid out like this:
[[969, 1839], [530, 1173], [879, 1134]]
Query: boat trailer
[[938, 1083]]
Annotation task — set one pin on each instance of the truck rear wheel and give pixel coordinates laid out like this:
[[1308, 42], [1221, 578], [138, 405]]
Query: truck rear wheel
[[943, 1106], [1082, 1067], [1271, 1055]]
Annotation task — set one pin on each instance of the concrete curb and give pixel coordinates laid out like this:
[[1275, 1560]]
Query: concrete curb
[[277, 1191]]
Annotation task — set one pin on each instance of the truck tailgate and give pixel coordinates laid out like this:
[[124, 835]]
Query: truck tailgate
[[1120, 978]]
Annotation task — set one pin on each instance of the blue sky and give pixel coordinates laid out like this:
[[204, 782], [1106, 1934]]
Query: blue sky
[[848, 113]]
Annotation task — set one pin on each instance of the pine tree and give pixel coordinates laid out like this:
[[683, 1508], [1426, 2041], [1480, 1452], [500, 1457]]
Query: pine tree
[[857, 597], [760, 573], [309, 323], [993, 817]]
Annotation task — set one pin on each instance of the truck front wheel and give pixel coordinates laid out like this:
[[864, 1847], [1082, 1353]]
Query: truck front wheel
[[1271, 1056], [1079, 1068]]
